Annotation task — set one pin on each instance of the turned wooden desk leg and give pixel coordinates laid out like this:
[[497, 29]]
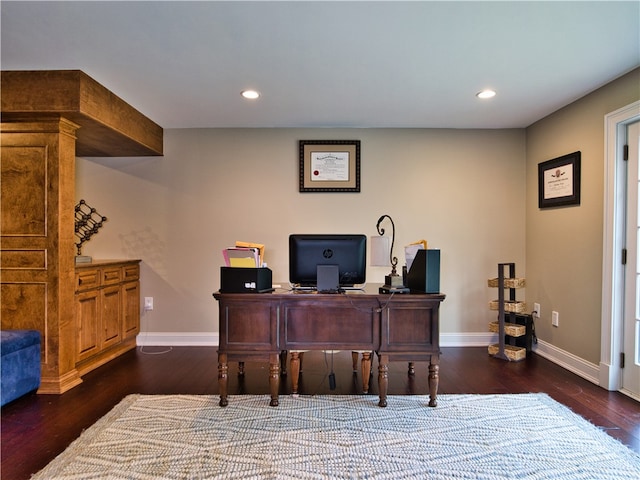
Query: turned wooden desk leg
[[434, 378], [412, 369], [295, 371], [274, 378], [223, 368], [383, 379], [366, 371]]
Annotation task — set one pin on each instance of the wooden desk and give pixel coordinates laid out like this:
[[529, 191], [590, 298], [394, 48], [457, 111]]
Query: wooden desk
[[397, 327]]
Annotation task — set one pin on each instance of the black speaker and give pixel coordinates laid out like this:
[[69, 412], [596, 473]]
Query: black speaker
[[424, 274]]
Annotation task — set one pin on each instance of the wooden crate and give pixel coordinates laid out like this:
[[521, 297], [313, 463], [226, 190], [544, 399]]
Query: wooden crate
[[514, 354], [511, 329]]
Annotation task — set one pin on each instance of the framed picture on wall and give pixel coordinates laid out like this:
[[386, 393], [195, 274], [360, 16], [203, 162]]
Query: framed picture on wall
[[559, 181], [329, 166]]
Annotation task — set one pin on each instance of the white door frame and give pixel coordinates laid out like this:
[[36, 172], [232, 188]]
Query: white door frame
[[613, 241]]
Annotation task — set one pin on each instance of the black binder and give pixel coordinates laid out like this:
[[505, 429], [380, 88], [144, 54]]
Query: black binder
[[424, 274]]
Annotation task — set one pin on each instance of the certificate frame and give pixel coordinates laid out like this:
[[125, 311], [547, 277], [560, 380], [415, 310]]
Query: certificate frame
[[329, 166], [559, 181]]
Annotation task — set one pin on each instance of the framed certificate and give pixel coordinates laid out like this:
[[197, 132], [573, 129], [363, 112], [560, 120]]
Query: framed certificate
[[329, 166], [559, 181]]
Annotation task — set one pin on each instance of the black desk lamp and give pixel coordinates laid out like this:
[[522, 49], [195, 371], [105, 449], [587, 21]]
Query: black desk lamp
[[393, 280]]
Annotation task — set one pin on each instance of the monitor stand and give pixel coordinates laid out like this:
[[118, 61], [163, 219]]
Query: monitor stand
[[328, 279]]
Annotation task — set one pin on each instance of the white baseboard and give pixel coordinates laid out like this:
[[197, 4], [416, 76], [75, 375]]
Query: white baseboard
[[579, 366], [468, 339], [178, 339], [208, 339], [569, 361]]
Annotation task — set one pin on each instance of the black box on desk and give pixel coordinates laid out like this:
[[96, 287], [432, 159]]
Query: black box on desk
[[424, 274], [245, 280]]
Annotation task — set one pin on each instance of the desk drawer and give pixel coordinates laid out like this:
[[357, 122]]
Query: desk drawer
[[330, 327]]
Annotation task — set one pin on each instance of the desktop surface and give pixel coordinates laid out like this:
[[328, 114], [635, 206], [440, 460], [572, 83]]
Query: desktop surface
[[284, 288]]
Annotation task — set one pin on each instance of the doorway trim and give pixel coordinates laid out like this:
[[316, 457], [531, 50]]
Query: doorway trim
[[613, 241]]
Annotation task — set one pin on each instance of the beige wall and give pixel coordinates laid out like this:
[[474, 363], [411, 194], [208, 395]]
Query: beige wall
[[471, 193], [462, 190], [564, 245]]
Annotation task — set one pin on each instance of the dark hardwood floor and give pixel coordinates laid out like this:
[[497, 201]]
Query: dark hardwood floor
[[36, 428]]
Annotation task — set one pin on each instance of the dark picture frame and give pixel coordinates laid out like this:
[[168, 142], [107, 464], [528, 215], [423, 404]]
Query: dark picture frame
[[329, 166], [559, 181]]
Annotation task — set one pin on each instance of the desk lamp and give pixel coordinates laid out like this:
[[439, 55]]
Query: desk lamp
[[379, 249]]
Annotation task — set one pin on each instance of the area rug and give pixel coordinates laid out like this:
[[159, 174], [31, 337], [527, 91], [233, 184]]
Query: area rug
[[524, 436]]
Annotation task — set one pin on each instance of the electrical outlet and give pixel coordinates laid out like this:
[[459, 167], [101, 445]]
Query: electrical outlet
[[148, 303], [536, 310], [554, 319]]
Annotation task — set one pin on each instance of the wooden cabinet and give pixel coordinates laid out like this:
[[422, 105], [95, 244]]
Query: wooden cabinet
[[107, 320], [49, 117]]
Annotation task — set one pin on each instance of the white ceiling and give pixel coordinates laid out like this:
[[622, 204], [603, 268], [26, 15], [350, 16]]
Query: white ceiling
[[331, 64]]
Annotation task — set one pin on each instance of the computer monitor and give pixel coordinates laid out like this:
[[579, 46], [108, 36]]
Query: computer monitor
[[307, 251]]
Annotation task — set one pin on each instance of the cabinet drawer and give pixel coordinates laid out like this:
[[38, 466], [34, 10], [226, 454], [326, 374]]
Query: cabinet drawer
[[87, 279], [111, 276], [131, 272]]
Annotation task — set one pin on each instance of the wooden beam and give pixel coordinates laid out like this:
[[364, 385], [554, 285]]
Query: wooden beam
[[109, 127]]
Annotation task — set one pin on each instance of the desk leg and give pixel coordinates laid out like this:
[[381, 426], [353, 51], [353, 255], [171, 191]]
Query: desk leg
[[223, 378], [295, 371], [366, 371], [434, 378], [274, 378], [383, 379]]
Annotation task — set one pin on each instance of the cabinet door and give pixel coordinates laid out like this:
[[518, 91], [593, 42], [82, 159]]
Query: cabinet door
[[131, 309], [111, 325], [87, 323]]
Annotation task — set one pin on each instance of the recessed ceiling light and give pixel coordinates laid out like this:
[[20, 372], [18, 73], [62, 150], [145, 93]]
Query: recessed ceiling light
[[250, 94], [486, 94]]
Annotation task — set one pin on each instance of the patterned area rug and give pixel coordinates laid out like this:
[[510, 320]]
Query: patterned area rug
[[343, 437]]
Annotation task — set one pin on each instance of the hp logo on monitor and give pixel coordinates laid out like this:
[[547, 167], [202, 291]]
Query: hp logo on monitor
[[327, 253]]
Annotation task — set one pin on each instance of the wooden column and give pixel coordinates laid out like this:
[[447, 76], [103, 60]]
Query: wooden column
[[37, 168]]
